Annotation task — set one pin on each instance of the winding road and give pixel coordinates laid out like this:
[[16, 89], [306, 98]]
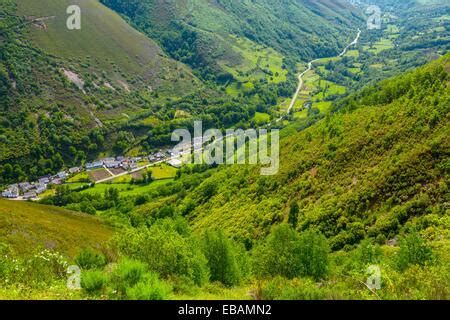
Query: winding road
[[310, 66]]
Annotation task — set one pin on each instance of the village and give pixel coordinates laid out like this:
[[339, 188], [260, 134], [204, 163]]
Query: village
[[120, 164]]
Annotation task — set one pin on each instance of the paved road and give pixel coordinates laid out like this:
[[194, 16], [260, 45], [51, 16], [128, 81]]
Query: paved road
[[301, 75]]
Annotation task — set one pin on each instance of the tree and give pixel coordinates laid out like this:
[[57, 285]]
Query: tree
[[313, 255], [278, 255], [293, 214], [112, 195], [285, 253]]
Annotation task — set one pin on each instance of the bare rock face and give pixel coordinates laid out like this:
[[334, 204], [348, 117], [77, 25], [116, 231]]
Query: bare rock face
[[393, 242]]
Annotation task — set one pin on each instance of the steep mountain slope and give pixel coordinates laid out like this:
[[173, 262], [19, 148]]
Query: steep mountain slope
[[63, 92], [198, 32], [106, 43], [379, 165], [27, 227]]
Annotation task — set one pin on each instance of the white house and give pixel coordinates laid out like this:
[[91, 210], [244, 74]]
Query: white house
[[30, 195], [62, 175], [40, 188], [94, 165], [44, 180], [74, 170], [175, 163], [25, 186], [12, 192], [112, 164]]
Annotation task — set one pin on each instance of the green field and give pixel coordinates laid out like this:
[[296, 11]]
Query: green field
[[126, 189], [261, 118], [380, 46], [105, 44], [79, 177], [256, 62], [352, 53]]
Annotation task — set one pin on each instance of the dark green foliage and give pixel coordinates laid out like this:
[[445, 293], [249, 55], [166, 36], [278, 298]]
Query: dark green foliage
[[222, 261], [293, 214], [283, 26]]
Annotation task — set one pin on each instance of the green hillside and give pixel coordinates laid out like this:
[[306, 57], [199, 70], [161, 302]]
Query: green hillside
[[198, 32], [27, 227], [366, 185], [362, 191], [107, 44], [67, 95], [381, 161]]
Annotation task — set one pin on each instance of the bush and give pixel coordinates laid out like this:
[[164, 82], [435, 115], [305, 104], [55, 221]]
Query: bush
[[93, 281], [165, 250], [413, 251], [126, 274], [313, 255], [368, 254], [282, 289], [89, 259], [286, 254], [150, 288], [278, 255]]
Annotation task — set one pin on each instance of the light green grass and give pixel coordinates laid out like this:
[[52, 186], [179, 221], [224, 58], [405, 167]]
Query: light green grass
[[352, 53], [126, 189], [261, 118], [254, 60], [380, 46], [163, 171], [323, 106], [82, 176], [26, 226]]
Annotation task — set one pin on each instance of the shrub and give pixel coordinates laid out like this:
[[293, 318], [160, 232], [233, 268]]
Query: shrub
[[278, 255], [286, 254], [89, 259], [413, 251], [165, 250], [93, 281], [313, 255], [126, 274], [282, 289], [367, 253], [150, 288]]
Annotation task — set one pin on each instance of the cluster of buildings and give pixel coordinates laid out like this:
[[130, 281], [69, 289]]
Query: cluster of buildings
[[30, 190], [126, 163]]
